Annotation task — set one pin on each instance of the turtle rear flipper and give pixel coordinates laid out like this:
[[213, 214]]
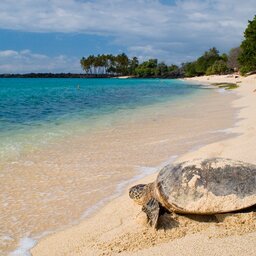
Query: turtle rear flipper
[[152, 208]]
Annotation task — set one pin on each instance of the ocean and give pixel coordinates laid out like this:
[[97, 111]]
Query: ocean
[[35, 111], [67, 146]]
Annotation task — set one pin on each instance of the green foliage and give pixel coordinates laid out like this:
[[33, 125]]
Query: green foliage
[[108, 64], [147, 68], [219, 67], [122, 65], [173, 68], [245, 69], [189, 69], [133, 64], [209, 63], [151, 68], [161, 69], [224, 57], [247, 57], [207, 60]]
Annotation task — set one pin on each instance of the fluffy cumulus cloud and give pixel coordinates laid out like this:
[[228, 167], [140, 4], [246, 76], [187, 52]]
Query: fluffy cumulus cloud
[[25, 61], [173, 31]]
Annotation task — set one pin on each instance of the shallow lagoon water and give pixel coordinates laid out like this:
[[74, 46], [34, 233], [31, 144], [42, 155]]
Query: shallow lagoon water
[[33, 111]]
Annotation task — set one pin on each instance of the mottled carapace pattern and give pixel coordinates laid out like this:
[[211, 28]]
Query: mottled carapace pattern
[[207, 186]]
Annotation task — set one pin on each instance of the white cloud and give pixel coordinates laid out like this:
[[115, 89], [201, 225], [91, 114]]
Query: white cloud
[[26, 61], [175, 32], [8, 53], [141, 17]]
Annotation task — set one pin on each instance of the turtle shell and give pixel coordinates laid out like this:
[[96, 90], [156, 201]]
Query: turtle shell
[[207, 186]]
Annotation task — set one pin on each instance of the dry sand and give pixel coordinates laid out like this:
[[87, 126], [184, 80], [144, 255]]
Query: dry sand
[[120, 228]]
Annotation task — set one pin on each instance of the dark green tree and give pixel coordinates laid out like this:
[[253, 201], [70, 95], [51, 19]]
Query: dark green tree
[[247, 57], [189, 69], [161, 69], [175, 72], [90, 63], [122, 62], [84, 65], [133, 64], [218, 68], [206, 60], [172, 68], [147, 68]]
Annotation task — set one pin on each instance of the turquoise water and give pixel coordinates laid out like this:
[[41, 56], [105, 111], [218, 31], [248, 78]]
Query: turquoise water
[[30, 102], [35, 110]]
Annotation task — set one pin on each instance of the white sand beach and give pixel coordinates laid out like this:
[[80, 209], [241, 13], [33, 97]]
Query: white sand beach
[[120, 228]]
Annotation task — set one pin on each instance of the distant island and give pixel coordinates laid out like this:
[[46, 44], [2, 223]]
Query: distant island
[[56, 75]]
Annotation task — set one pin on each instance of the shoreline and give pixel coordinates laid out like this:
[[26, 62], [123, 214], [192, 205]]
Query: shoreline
[[66, 181], [74, 240]]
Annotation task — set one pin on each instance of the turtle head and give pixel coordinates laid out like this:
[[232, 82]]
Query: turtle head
[[140, 193]]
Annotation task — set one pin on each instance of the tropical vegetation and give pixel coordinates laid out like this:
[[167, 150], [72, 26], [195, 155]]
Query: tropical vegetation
[[121, 65], [211, 62], [247, 57], [241, 58]]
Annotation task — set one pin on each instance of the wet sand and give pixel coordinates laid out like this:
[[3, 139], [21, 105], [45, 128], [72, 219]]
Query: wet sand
[[59, 185], [120, 228]]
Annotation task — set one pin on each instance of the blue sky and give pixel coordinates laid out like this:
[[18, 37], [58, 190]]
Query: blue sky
[[52, 35]]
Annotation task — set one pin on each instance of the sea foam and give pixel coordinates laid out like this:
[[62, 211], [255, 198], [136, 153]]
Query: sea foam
[[25, 245]]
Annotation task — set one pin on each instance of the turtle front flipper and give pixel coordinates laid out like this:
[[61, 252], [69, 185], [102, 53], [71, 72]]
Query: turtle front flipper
[[152, 208]]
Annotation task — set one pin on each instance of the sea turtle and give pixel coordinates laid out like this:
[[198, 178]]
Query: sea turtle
[[201, 186]]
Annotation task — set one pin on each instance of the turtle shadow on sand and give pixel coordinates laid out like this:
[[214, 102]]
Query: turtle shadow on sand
[[247, 210], [169, 220], [166, 220]]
